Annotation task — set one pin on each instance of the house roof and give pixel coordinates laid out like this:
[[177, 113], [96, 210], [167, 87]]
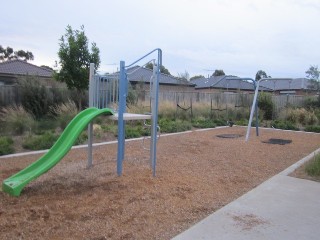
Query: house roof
[[19, 67], [141, 74], [225, 82], [277, 84]]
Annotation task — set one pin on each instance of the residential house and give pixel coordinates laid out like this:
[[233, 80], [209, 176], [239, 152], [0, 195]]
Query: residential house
[[231, 84], [11, 72], [291, 86], [139, 77]]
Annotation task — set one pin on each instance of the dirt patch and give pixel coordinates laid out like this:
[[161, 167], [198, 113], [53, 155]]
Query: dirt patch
[[249, 221], [197, 173]]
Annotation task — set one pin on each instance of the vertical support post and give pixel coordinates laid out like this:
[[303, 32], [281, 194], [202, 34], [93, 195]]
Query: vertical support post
[[90, 126], [257, 117], [252, 110], [154, 115], [257, 110], [90, 141], [121, 123]]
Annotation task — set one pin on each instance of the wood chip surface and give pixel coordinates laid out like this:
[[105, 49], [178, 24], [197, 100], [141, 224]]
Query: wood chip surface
[[197, 173]]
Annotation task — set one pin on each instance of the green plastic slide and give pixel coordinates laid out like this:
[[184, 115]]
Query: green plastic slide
[[14, 184]]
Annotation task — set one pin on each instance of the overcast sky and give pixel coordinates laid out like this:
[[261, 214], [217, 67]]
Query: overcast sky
[[281, 37]]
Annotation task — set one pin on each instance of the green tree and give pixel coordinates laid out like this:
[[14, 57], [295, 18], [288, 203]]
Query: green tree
[[218, 72], [47, 67], [195, 77], [313, 74], [75, 58], [261, 74], [8, 54], [162, 68]]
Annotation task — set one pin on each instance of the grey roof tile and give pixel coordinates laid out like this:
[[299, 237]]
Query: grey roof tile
[[19, 67], [137, 74], [278, 84], [225, 82]]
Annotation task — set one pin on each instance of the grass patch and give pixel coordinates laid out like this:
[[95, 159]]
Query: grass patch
[[6, 146], [312, 168], [64, 113], [17, 119]]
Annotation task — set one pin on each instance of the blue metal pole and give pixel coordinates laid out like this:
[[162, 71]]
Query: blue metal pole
[[121, 110]]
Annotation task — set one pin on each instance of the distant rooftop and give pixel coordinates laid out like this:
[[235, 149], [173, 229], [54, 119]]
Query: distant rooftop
[[277, 84], [225, 82], [19, 67], [142, 74]]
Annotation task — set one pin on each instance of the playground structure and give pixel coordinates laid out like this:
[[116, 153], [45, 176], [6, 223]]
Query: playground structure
[[254, 108], [110, 91], [104, 91]]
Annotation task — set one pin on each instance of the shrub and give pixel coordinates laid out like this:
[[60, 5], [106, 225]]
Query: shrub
[[242, 122], [203, 123], [266, 104], [280, 124], [35, 98], [312, 128], [312, 168], [311, 103], [133, 132], [64, 113], [83, 137], [132, 96], [170, 126], [45, 124], [39, 142], [302, 116], [220, 122], [6, 145], [17, 119]]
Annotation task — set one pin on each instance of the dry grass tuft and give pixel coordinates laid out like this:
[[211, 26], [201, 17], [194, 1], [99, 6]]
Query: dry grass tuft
[[17, 118]]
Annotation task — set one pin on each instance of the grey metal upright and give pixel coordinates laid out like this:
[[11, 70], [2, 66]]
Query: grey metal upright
[[123, 88], [255, 103], [91, 104]]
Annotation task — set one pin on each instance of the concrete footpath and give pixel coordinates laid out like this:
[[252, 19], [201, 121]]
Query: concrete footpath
[[283, 207]]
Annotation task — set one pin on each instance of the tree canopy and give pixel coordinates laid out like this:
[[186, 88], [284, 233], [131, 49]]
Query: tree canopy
[[75, 58], [9, 54], [218, 72], [162, 68], [196, 76], [261, 74], [313, 74]]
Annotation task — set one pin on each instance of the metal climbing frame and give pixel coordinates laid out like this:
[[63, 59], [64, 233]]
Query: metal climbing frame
[[111, 91], [123, 89]]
